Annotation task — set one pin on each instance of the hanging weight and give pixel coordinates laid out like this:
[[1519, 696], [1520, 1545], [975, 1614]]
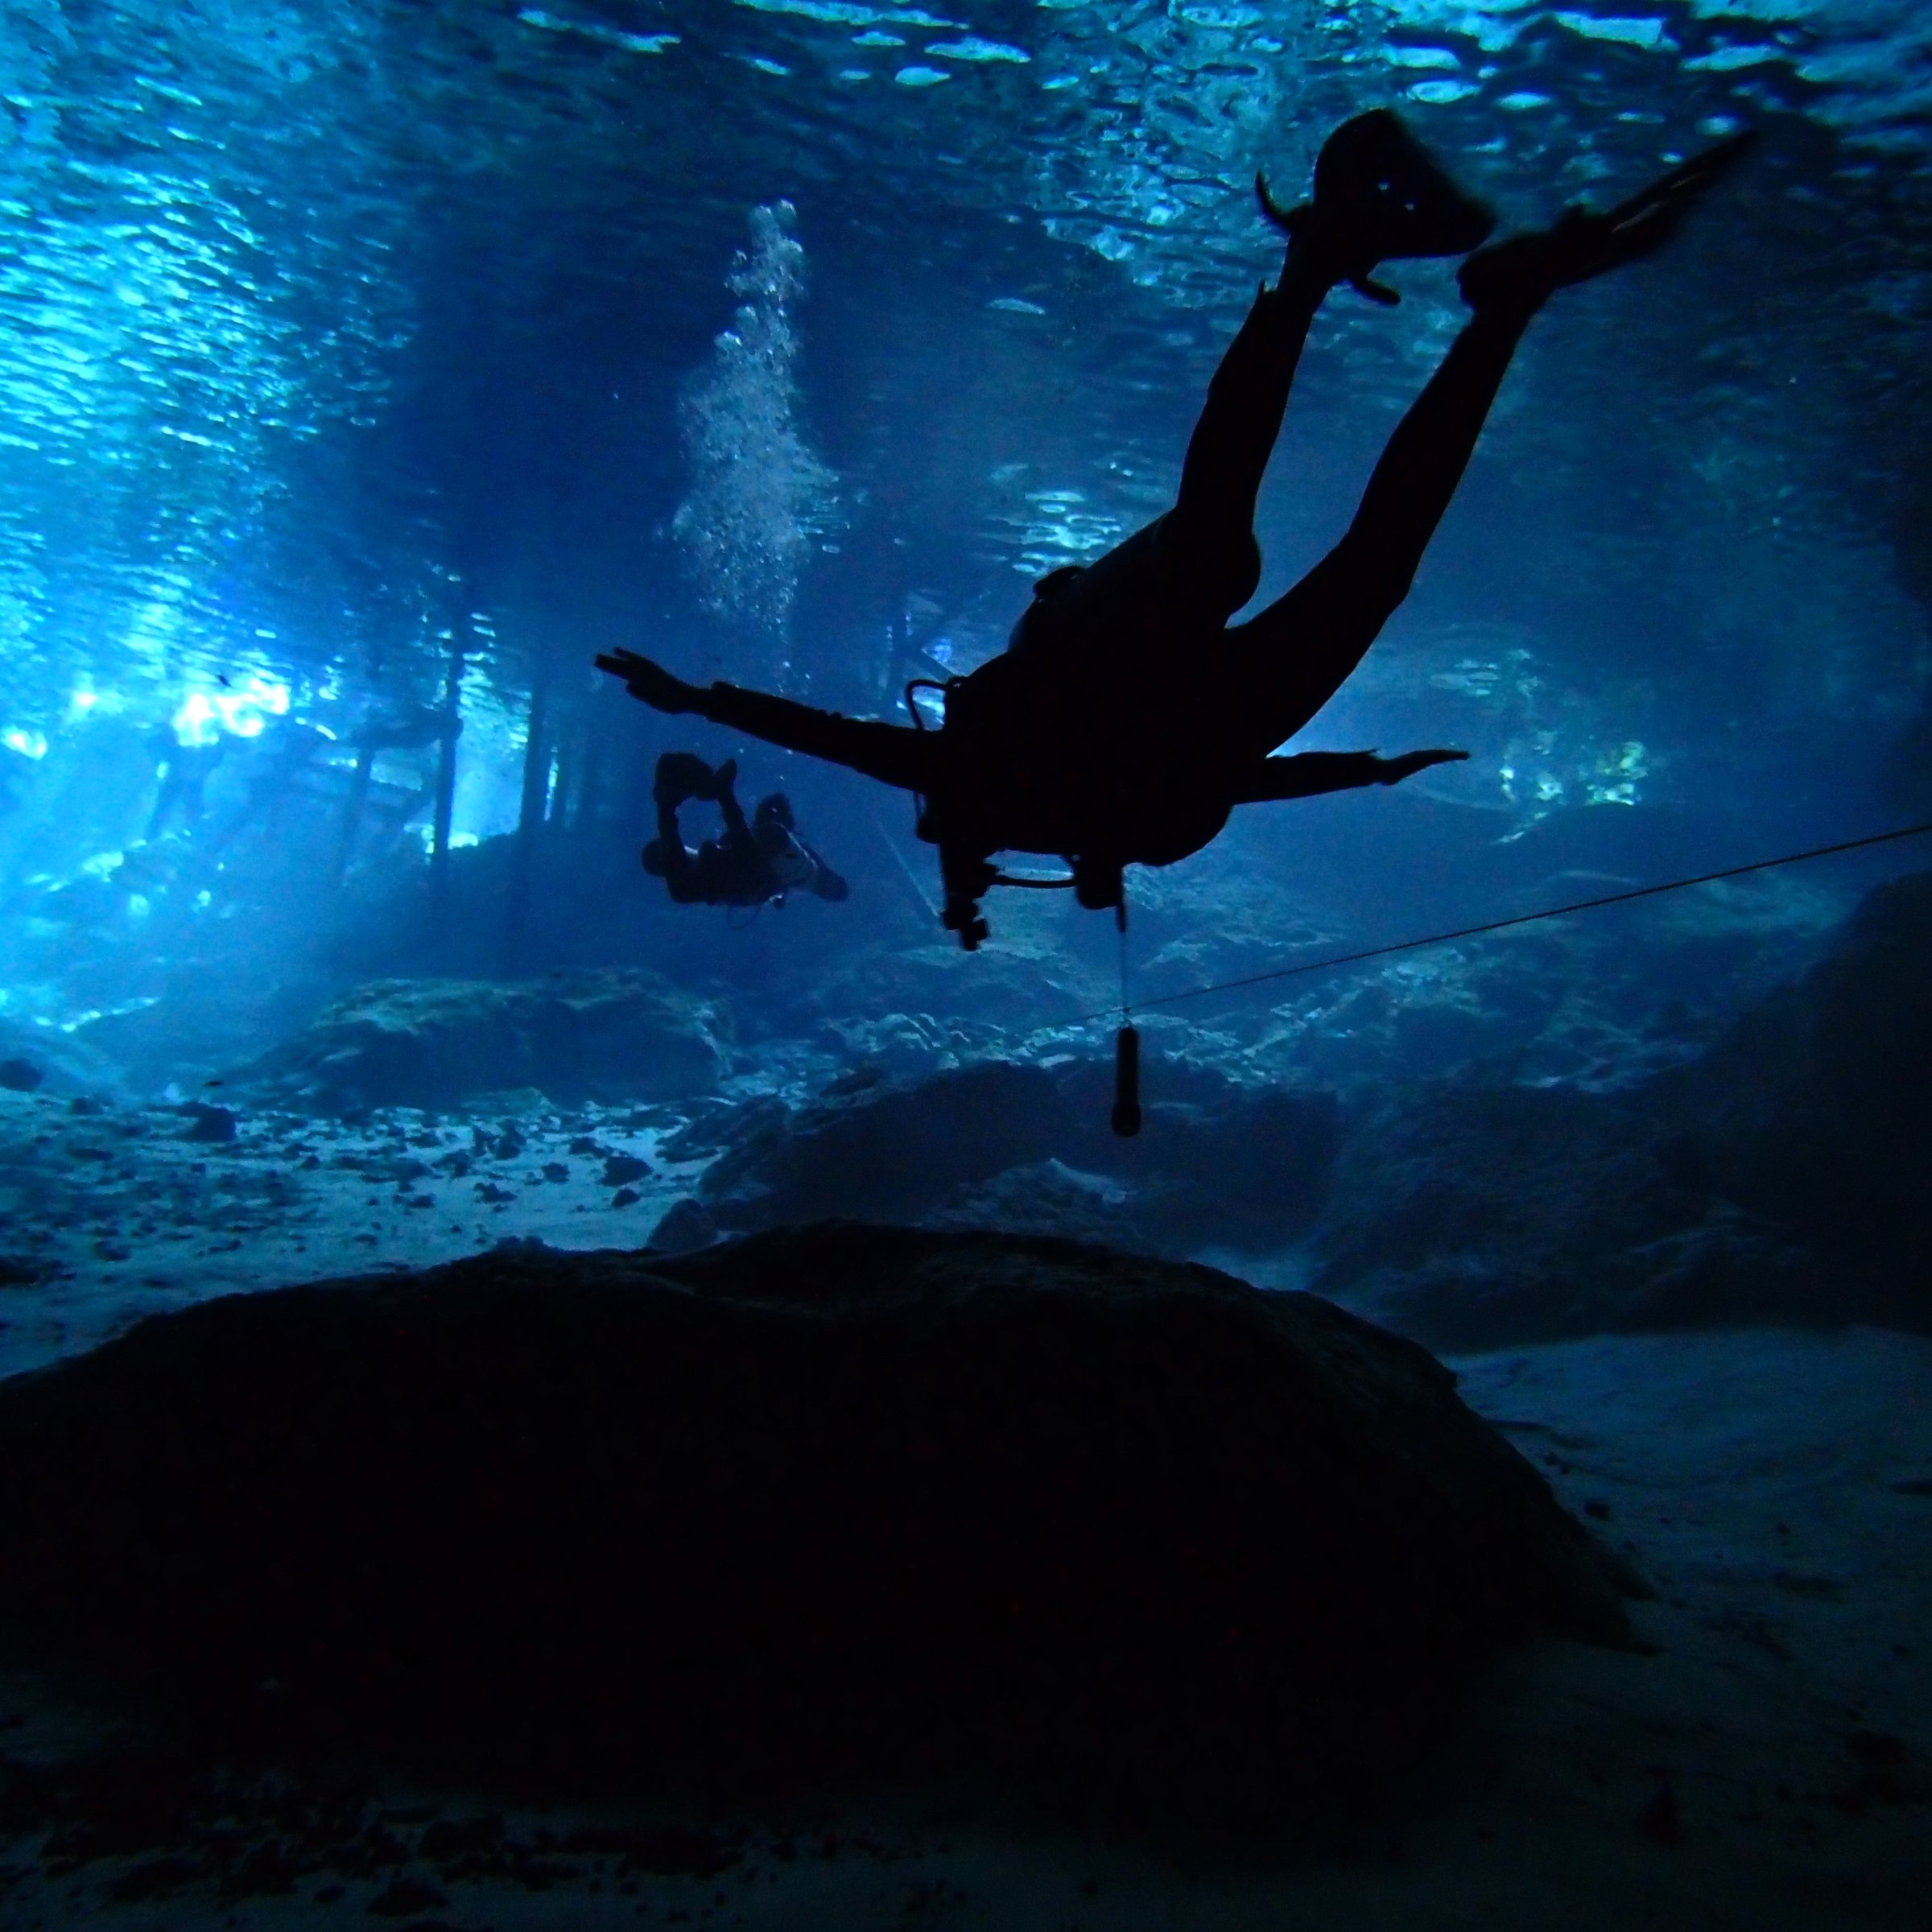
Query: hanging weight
[[1127, 1082]]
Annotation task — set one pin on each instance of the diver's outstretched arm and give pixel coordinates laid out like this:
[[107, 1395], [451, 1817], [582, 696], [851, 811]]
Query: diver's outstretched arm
[[1308, 772], [894, 754]]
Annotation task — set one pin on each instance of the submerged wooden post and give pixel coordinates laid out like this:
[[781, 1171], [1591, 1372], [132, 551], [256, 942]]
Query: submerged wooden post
[[446, 763], [536, 759], [352, 811], [529, 817]]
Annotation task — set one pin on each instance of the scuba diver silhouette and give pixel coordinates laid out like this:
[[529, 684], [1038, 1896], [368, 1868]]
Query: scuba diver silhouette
[[1128, 717], [752, 864]]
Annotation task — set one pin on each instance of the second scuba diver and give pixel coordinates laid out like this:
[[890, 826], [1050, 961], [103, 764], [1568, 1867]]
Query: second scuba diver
[[752, 864]]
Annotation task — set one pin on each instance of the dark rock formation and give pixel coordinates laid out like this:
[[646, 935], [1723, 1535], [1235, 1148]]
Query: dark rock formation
[[833, 1502], [1476, 1216], [1047, 1197], [573, 1037], [1217, 1160], [208, 1123], [1781, 1178], [682, 1227], [45, 1059], [1813, 1113]]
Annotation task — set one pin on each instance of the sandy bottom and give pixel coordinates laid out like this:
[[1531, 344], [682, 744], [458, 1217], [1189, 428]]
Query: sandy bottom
[[109, 1217], [1764, 1766]]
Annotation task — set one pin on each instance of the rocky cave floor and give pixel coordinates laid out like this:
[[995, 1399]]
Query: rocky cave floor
[[118, 1212], [1762, 1763]]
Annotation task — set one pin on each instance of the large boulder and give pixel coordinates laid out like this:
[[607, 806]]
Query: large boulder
[[833, 1503], [610, 1036]]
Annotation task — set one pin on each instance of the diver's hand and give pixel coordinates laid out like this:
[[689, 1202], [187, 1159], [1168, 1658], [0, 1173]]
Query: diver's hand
[[650, 682], [1391, 771]]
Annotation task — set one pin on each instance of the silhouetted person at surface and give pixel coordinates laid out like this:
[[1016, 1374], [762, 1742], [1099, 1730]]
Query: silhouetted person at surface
[[184, 770], [1127, 718], [752, 864]]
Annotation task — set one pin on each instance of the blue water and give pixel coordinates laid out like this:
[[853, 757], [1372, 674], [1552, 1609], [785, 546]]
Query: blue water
[[365, 365]]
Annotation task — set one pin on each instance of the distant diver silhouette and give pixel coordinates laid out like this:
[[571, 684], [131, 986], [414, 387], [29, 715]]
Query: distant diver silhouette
[[185, 769], [752, 864], [1128, 717]]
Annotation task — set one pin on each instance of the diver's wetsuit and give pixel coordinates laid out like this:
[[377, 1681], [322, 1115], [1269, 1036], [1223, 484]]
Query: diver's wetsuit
[[751, 864], [1127, 719]]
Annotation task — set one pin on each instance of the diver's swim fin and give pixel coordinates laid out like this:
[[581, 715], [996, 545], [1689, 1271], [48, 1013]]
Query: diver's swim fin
[[1379, 197], [682, 775], [1581, 244]]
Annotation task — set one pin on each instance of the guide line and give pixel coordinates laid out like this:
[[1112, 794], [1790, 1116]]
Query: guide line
[[1521, 919]]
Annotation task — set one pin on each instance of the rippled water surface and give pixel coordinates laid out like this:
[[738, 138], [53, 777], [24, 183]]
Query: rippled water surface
[[354, 353]]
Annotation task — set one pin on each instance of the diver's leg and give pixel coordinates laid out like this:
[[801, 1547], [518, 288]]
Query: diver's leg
[[676, 864], [1199, 559], [1378, 195], [1292, 657], [667, 857], [1207, 539], [724, 782], [680, 776]]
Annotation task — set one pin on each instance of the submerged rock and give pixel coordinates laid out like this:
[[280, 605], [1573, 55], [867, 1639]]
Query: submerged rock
[[54, 1060], [833, 1502], [683, 1227], [207, 1123], [1781, 1178], [571, 1037], [1812, 1111], [1478, 1216], [887, 1151], [1047, 1197], [994, 1144]]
